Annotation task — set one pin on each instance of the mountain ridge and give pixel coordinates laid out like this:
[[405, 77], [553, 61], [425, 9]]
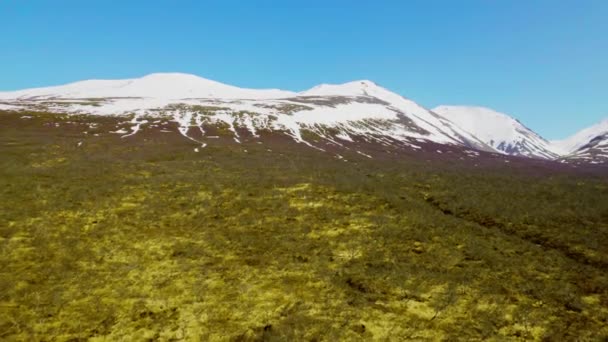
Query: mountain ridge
[[359, 108], [156, 85]]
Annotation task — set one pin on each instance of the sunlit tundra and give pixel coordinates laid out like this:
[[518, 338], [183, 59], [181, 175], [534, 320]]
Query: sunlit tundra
[[313, 170], [344, 212]]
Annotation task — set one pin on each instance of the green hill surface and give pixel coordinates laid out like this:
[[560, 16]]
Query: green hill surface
[[141, 238]]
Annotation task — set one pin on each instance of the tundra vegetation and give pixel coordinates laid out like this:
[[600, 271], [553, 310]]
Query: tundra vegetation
[[105, 238]]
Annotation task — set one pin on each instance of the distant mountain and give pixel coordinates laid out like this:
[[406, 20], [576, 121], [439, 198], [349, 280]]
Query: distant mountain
[[501, 131], [588, 145], [325, 117], [332, 114]]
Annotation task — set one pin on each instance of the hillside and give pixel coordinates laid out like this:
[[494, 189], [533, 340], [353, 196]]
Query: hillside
[[158, 85], [151, 236], [171, 207]]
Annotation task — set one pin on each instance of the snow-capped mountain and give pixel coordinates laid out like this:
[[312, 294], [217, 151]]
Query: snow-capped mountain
[[501, 131], [590, 144], [336, 114], [156, 86], [325, 116]]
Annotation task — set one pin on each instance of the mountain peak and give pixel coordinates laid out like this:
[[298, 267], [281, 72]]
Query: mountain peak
[[353, 88], [172, 76], [363, 83], [157, 85]]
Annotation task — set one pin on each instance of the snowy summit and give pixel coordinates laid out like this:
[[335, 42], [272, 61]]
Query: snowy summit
[[158, 85]]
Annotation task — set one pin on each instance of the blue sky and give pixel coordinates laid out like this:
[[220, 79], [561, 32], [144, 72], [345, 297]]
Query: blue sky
[[542, 61]]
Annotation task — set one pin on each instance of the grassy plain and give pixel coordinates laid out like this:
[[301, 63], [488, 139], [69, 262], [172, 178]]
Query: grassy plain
[[141, 238]]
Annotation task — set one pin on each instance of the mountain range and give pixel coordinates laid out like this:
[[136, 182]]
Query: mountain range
[[326, 117]]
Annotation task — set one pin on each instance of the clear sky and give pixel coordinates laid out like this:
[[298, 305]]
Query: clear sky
[[543, 61]]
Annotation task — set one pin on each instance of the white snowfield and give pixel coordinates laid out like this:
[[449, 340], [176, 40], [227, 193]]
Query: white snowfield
[[359, 109]]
